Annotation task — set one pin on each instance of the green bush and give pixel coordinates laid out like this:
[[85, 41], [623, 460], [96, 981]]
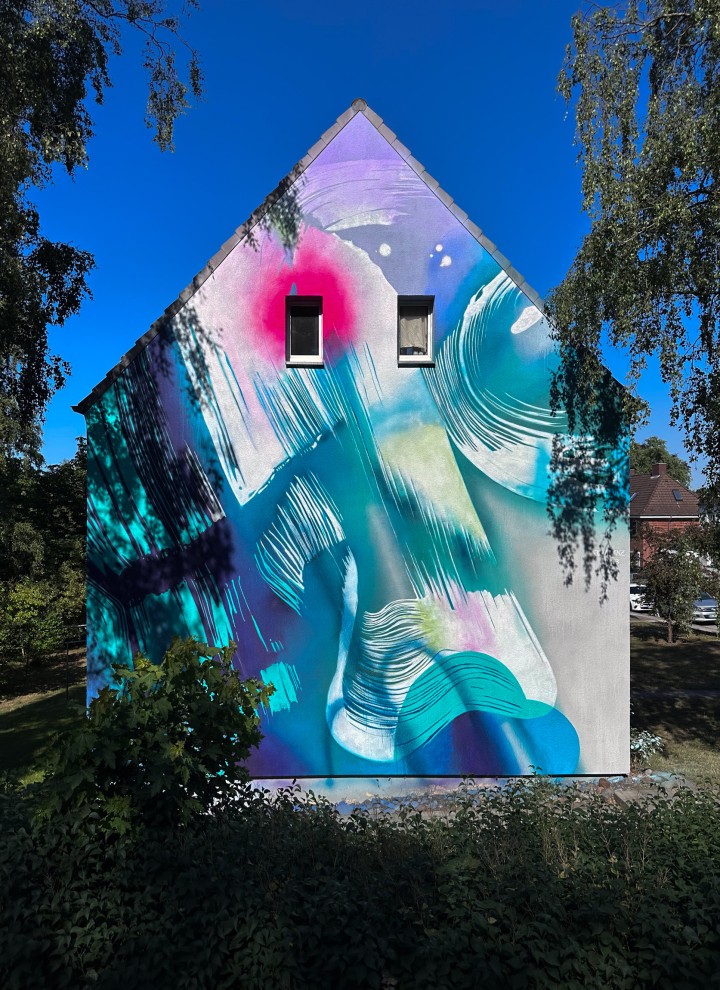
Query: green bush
[[162, 745], [31, 618], [525, 887]]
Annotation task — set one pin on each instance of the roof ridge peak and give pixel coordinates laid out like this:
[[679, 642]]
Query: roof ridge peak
[[358, 106]]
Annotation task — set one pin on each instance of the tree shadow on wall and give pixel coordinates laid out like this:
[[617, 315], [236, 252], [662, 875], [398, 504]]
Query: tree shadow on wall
[[154, 487], [199, 345], [165, 594], [281, 213], [204, 379], [588, 472], [148, 490]]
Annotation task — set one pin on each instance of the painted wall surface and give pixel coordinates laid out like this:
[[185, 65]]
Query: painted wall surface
[[373, 537]]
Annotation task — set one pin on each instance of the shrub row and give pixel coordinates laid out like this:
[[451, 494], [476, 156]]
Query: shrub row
[[526, 887]]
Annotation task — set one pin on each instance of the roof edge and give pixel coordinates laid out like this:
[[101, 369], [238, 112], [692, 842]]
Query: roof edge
[[242, 232]]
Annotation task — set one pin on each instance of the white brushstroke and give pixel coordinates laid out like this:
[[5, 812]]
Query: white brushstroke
[[528, 318]]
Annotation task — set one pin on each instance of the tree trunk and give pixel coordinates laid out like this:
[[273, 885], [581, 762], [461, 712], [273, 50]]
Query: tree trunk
[[670, 630]]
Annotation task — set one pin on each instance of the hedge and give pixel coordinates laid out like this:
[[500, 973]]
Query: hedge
[[529, 886]]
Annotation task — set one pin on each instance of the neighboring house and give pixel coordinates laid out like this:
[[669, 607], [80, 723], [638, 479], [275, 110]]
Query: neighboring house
[[333, 450], [658, 504]]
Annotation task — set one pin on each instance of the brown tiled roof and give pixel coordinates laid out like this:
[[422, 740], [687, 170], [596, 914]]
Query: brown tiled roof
[[651, 496]]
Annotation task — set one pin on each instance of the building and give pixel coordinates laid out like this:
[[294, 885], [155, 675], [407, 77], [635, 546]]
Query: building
[[333, 450], [658, 504]]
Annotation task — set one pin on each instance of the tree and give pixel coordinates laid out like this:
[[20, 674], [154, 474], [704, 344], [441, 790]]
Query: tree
[[645, 78], [42, 517], [654, 451], [161, 746], [674, 577], [54, 54], [61, 511], [31, 618], [42, 552]]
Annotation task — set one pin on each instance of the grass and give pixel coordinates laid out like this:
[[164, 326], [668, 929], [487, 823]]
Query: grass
[[675, 693], [35, 702]]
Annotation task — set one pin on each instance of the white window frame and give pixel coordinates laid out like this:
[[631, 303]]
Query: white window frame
[[303, 360], [417, 360]]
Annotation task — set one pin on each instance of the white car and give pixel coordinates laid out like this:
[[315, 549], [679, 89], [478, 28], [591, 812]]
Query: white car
[[705, 608], [638, 602]]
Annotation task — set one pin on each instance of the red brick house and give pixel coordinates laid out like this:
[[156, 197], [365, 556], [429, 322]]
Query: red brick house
[[657, 503]]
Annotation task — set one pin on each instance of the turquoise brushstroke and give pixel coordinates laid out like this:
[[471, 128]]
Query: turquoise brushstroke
[[454, 684], [286, 682], [108, 640], [159, 618]]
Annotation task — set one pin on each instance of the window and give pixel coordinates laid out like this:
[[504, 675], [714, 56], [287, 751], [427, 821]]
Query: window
[[304, 343], [677, 494], [415, 329], [634, 527]]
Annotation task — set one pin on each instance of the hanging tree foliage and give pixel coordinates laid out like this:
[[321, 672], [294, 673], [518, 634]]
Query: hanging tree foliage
[[54, 56], [645, 80]]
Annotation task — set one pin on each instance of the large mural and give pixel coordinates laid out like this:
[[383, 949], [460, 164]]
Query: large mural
[[372, 536]]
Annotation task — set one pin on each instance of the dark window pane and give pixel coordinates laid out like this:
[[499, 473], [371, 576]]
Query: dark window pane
[[304, 331]]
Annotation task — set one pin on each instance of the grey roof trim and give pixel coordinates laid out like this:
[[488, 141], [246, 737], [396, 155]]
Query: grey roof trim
[[358, 106]]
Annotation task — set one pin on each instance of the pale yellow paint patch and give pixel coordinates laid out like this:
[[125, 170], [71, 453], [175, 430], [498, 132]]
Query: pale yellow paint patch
[[423, 456]]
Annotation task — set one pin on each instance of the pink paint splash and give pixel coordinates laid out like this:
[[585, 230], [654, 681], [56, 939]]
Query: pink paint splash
[[319, 266]]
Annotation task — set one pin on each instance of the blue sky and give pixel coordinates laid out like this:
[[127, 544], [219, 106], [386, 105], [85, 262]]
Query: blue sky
[[467, 85]]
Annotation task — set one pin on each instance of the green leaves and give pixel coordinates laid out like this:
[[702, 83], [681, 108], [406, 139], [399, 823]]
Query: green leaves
[[530, 884], [31, 621], [654, 451], [645, 77], [674, 578], [42, 553], [53, 57], [162, 747]]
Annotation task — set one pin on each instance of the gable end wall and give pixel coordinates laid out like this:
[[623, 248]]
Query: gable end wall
[[372, 537]]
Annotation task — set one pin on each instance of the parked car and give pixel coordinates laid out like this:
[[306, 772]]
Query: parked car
[[638, 602], [705, 608]]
